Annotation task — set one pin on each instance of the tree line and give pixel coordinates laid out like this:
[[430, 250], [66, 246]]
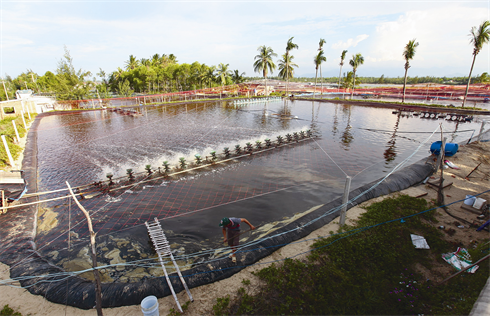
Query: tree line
[[163, 73], [158, 74], [263, 61]]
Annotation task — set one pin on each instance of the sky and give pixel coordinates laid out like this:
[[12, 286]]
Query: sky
[[102, 34]]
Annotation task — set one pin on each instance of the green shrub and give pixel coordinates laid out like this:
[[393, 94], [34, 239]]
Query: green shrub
[[371, 268], [7, 311]]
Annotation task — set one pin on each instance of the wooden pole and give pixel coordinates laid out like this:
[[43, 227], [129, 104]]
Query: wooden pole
[[98, 288], [4, 89], [463, 270], [467, 177], [440, 194]]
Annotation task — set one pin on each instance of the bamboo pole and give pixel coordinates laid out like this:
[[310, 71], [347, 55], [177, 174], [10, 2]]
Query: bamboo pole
[[98, 294]]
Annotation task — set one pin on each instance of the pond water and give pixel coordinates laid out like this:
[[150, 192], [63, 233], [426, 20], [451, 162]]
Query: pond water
[[362, 142]]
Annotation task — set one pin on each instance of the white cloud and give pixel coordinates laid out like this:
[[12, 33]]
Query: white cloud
[[350, 42], [442, 34]]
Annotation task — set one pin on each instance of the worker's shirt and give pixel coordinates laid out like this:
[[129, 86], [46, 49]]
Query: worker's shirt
[[235, 223]]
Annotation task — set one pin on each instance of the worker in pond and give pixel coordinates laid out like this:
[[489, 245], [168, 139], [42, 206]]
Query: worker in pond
[[232, 224]]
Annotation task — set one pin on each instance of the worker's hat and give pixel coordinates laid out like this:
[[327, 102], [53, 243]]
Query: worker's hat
[[225, 222]]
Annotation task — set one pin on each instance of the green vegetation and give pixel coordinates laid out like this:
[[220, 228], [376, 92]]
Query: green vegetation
[[7, 129], [371, 268], [159, 74], [479, 37], [263, 62], [355, 62], [7, 311], [408, 54]]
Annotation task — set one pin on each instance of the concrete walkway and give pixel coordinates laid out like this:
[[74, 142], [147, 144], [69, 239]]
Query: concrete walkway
[[482, 305]]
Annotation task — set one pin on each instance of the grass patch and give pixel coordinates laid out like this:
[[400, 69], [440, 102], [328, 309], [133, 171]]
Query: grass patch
[[7, 129], [7, 311], [371, 268]]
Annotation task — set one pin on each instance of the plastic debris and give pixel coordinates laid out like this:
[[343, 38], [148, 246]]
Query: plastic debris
[[460, 259], [451, 165], [419, 242]]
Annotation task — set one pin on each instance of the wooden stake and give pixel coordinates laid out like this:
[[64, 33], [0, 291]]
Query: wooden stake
[[98, 287], [467, 177]]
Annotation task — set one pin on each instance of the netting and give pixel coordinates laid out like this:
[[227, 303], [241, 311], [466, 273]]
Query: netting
[[427, 92], [266, 186]]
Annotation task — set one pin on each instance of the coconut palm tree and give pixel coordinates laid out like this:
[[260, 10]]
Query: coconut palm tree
[[286, 65], [408, 54], [479, 36], [222, 73], [355, 62], [237, 77], [319, 58], [155, 60], [320, 48], [132, 63], [289, 46], [145, 62], [264, 63], [342, 58]]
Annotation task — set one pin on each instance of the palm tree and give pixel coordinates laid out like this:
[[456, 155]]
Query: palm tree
[[479, 36], [172, 58], [131, 63], [408, 54], [237, 77], [222, 73], [264, 63], [209, 75], [319, 58], [155, 60], [145, 62], [286, 65], [289, 46], [355, 62], [342, 58], [320, 48]]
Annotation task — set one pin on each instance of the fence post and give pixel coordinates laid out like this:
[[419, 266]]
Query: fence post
[[8, 151], [16, 132], [481, 129], [345, 199], [24, 120]]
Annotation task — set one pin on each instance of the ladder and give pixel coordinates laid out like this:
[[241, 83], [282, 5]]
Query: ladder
[[162, 247]]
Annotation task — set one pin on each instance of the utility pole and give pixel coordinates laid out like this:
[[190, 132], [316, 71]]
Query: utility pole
[[98, 287]]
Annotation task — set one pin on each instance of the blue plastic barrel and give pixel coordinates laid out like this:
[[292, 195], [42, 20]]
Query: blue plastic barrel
[[449, 150]]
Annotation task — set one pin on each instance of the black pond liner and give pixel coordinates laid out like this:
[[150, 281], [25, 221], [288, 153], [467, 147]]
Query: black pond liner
[[79, 292]]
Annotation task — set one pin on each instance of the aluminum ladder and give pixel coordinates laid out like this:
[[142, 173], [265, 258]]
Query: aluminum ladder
[[162, 247]]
